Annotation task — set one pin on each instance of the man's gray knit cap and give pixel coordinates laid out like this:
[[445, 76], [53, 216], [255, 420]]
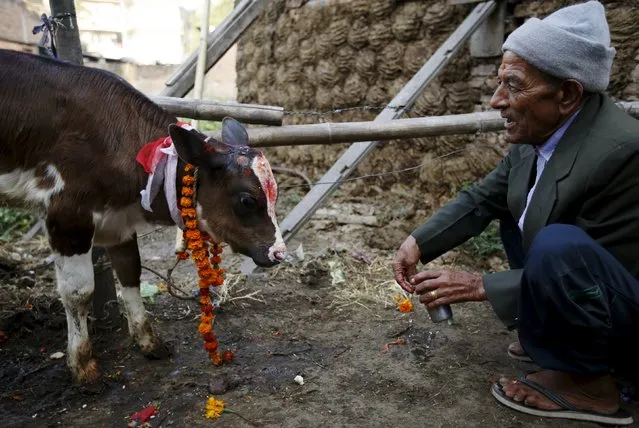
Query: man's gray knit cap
[[571, 43]]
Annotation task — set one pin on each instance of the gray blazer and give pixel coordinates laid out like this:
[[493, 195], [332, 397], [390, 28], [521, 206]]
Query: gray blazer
[[591, 181]]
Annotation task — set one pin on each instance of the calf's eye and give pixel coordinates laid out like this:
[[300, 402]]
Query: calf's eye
[[248, 202]]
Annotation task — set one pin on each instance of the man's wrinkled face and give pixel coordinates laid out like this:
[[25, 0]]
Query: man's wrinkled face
[[527, 100]]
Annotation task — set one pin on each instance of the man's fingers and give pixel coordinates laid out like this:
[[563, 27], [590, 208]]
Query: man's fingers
[[428, 285], [401, 277], [439, 296], [424, 275]]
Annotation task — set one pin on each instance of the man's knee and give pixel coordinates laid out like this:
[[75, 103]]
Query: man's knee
[[557, 240]]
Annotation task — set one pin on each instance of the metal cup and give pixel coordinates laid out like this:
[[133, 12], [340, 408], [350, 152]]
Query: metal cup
[[441, 313]]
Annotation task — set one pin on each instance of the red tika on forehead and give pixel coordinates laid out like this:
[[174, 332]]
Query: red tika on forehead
[[262, 170]]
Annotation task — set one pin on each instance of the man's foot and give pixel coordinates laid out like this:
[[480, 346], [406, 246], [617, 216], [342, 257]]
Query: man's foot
[[551, 393], [516, 351], [598, 394]]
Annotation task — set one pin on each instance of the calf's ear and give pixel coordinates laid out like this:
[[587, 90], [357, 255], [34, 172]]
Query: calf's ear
[[234, 133], [189, 146]]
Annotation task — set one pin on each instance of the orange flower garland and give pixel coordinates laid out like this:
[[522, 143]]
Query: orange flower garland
[[211, 274]]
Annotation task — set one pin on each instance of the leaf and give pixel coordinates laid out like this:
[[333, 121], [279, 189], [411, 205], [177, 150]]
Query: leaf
[[337, 275], [148, 290]]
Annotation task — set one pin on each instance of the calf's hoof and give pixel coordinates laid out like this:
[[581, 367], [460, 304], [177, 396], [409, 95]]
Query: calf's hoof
[[158, 351], [86, 373]]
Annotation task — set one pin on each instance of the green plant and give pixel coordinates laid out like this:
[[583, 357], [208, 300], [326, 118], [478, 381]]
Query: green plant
[[207, 126], [487, 244], [14, 221]]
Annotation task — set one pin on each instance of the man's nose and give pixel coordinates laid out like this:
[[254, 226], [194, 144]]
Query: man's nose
[[499, 101]]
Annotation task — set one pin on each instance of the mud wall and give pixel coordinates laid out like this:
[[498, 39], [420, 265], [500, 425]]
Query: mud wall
[[315, 56]]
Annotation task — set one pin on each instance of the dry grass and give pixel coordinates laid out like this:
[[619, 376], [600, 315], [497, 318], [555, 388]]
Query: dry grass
[[355, 279]]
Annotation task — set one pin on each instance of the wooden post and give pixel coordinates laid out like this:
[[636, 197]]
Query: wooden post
[[487, 40], [200, 70], [67, 34], [67, 37]]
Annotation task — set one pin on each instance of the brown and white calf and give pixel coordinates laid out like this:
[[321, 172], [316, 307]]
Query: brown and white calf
[[77, 143]]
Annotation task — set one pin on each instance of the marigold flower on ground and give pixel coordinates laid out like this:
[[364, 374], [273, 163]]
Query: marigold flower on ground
[[403, 304], [206, 317], [214, 408], [217, 359]]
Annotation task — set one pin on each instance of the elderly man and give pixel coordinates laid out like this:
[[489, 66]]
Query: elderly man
[[567, 198]]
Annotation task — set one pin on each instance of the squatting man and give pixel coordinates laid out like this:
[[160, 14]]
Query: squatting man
[[567, 200]]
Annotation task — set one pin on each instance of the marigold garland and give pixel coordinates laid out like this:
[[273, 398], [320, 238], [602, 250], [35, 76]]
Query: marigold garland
[[206, 256]]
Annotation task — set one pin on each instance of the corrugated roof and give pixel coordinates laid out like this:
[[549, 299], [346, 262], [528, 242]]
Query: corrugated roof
[[17, 22]]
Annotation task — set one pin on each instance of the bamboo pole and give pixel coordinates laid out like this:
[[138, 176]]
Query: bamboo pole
[[209, 110], [348, 132]]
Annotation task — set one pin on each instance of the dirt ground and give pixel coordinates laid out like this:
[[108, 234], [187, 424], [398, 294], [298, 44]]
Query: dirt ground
[[326, 316]]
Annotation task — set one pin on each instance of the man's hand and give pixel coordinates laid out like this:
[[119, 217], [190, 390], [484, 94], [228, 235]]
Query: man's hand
[[442, 287], [405, 262]]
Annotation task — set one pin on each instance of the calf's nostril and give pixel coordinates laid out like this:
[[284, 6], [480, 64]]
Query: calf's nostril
[[280, 255]]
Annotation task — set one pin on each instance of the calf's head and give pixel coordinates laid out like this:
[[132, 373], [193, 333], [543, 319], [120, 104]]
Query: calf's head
[[236, 191]]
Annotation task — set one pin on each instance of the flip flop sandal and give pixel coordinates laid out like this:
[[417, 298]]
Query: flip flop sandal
[[566, 411]]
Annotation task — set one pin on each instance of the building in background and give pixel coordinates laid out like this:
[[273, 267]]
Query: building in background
[[16, 24], [140, 31], [143, 41]]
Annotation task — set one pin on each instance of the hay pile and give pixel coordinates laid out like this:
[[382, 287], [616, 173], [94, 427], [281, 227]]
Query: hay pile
[[321, 56]]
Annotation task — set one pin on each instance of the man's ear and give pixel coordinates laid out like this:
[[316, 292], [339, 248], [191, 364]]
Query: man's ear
[[572, 93], [189, 146], [234, 133]]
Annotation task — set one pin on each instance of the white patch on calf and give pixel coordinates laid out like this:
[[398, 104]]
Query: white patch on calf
[[204, 225], [23, 185], [139, 327], [113, 227], [262, 170], [75, 284]]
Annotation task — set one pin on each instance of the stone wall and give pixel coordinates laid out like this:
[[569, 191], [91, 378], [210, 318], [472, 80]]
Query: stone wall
[[322, 55]]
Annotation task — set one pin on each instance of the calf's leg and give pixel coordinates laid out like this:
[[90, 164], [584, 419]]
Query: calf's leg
[[74, 276], [125, 259], [70, 233]]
